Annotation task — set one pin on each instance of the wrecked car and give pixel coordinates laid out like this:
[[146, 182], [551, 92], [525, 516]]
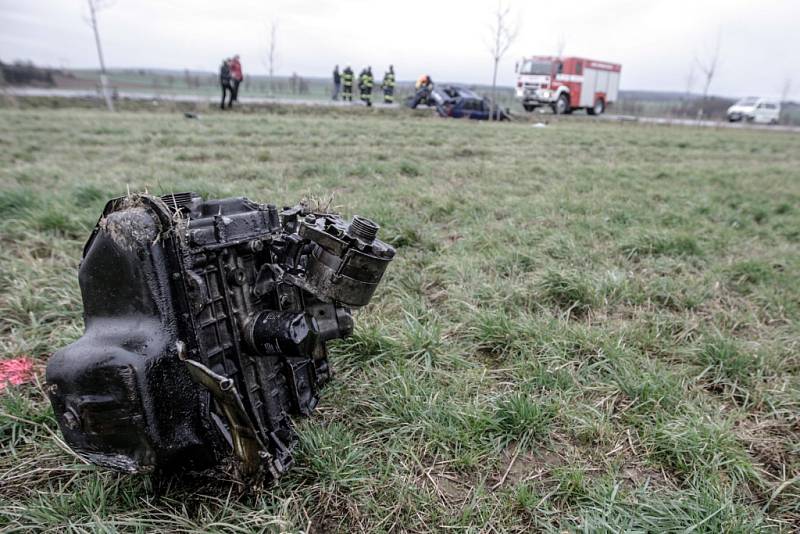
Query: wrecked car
[[206, 330], [459, 102]]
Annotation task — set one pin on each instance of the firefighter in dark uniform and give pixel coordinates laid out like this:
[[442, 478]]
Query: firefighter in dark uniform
[[347, 84], [366, 86], [360, 82], [388, 86]]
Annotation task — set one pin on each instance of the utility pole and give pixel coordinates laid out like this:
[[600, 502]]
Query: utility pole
[[273, 43], [103, 77]]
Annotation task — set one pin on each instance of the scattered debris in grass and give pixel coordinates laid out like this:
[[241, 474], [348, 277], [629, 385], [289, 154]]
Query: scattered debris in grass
[[15, 371]]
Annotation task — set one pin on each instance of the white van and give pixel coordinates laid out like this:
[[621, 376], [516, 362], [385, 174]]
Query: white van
[[754, 109]]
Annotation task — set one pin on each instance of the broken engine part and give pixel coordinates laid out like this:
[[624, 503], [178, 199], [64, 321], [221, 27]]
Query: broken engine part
[[206, 330]]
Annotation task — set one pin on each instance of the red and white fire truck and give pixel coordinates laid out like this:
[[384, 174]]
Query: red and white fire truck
[[566, 84]]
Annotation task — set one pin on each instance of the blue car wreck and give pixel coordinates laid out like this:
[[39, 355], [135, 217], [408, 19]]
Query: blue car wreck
[[458, 102]]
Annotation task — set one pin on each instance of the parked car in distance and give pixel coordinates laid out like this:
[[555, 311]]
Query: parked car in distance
[[755, 109]]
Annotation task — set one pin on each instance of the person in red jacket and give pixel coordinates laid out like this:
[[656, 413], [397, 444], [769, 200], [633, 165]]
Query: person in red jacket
[[236, 76]]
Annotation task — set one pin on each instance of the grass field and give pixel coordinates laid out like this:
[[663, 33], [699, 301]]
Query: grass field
[[587, 327]]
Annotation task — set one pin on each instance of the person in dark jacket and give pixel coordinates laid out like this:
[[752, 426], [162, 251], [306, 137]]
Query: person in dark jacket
[[225, 81], [337, 83], [388, 86], [347, 84]]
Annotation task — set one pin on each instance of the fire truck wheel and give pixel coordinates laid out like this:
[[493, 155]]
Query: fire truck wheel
[[529, 107], [561, 107], [598, 108]]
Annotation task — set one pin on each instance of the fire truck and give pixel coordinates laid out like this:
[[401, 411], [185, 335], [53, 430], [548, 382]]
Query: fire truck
[[566, 84]]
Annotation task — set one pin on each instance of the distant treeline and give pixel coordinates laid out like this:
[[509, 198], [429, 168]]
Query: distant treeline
[[26, 73], [157, 79], [638, 103]]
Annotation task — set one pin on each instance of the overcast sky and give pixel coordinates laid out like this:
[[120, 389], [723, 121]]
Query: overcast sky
[[655, 41]]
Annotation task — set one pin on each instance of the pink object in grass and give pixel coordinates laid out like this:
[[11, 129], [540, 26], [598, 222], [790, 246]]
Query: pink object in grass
[[15, 372]]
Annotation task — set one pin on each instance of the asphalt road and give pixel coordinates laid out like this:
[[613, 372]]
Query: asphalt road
[[145, 96]]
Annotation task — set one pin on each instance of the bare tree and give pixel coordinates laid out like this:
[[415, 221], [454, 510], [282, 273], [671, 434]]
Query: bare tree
[[94, 7], [708, 67], [561, 43], [273, 43], [689, 86], [787, 88], [689, 81], [503, 36]]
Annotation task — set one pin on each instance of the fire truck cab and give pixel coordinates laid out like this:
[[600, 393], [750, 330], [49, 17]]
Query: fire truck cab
[[566, 84]]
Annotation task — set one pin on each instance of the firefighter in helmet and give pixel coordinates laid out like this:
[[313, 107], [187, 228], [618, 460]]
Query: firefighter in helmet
[[388, 85], [347, 84], [360, 83], [366, 82]]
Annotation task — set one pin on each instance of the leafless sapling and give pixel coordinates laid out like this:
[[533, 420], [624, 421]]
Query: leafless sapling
[[504, 32]]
